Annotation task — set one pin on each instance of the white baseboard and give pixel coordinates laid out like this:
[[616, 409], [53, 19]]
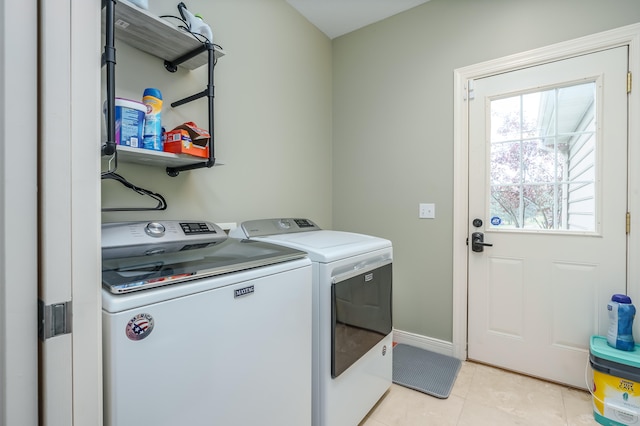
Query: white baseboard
[[423, 342]]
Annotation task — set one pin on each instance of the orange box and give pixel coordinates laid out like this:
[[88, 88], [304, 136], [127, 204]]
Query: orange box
[[187, 139]]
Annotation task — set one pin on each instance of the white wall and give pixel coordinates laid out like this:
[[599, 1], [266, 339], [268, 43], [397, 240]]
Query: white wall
[[272, 118], [393, 126]]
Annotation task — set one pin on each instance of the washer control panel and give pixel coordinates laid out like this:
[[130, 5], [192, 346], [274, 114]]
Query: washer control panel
[[123, 234], [262, 227]]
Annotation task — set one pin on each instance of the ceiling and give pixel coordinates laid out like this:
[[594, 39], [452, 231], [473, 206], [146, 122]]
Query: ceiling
[[338, 17]]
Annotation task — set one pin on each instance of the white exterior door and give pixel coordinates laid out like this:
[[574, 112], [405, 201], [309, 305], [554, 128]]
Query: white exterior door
[[548, 181]]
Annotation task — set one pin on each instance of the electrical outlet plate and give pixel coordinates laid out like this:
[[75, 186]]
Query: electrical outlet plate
[[427, 211]]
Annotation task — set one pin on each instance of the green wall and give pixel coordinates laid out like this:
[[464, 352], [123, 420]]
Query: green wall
[[272, 118], [393, 126], [353, 133]]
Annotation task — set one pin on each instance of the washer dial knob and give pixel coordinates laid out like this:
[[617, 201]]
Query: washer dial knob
[[154, 229], [284, 224]]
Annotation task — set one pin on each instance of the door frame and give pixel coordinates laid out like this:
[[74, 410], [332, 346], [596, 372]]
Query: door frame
[[463, 89], [70, 376]]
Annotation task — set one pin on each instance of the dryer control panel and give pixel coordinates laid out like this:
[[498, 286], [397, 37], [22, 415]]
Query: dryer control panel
[[262, 227]]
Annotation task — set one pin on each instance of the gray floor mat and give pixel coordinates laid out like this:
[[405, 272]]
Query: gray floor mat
[[424, 371]]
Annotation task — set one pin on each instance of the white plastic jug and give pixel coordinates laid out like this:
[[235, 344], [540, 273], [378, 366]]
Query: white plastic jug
[[141, 3]]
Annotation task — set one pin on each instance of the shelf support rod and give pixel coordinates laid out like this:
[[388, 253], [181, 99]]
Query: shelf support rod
[[210, 97], [109, 59], [209, 92], [189, 99]]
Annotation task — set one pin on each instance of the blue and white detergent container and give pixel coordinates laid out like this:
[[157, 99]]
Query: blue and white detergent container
[[621, 314], [129, 121], [152, 98]]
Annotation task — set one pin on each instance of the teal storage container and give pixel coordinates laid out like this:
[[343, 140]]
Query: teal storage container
[[616, 383]]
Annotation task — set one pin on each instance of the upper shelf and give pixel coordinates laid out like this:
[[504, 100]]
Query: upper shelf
[[156, 36]]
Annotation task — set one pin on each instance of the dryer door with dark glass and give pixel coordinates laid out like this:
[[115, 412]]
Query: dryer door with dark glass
[[360, 314]]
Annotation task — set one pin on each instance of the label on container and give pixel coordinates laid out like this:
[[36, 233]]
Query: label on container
[[129, 120], [613, 410], [616, 398], [620, 332]]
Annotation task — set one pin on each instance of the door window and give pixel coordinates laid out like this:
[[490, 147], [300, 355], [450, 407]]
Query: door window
[[542, 160]]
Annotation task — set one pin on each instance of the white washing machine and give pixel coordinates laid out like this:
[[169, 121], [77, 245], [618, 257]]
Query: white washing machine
[[352, 321], [200, 329]]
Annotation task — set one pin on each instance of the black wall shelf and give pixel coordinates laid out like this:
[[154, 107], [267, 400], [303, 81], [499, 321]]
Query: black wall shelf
[[149, 33]]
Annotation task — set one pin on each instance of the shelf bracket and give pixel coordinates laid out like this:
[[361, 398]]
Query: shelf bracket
[[175, 171], [172, 66]]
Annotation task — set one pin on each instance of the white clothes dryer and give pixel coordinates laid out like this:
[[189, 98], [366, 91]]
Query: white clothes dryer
[[352, 318]]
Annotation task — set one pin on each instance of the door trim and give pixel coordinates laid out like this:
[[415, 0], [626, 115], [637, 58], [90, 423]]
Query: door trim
[[69, 209], [624, 36]]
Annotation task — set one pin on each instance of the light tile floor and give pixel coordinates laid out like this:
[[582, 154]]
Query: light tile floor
[[482, 396]]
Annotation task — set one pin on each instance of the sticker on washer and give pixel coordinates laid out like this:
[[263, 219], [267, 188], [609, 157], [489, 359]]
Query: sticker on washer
[[139, 327]]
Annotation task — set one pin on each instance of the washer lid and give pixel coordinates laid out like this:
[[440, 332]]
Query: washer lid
[[328, 246], [161, 265]]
